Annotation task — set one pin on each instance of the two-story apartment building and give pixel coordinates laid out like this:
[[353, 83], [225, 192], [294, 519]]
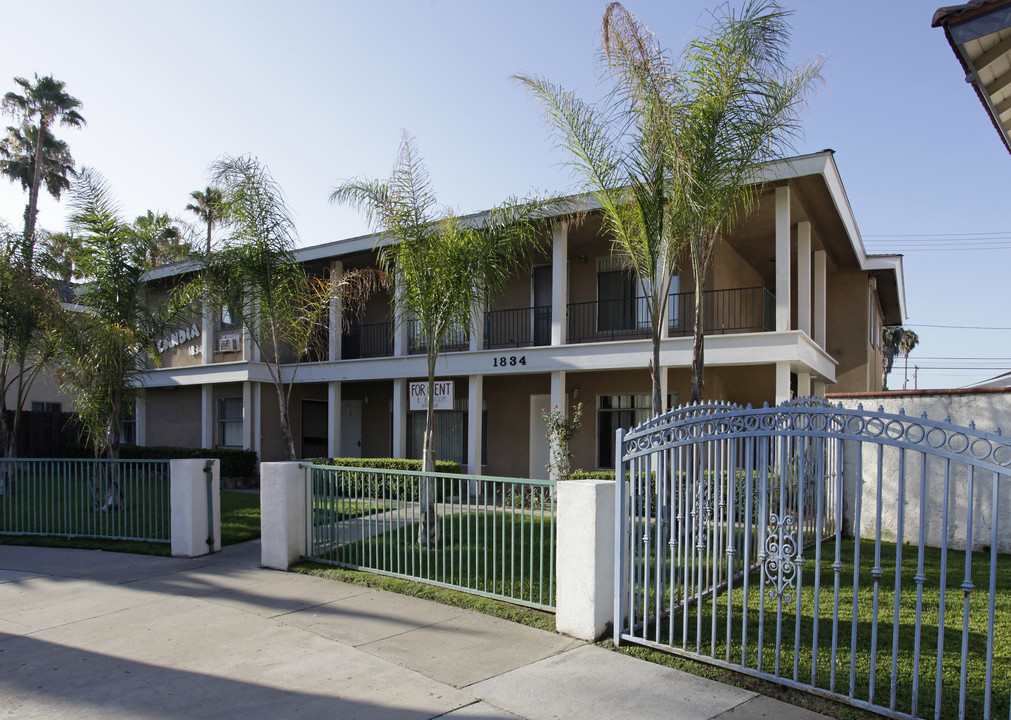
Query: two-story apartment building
[[793, 305]]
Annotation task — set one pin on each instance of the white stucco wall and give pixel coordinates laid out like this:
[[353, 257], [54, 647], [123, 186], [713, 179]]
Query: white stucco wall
[[990, 411]]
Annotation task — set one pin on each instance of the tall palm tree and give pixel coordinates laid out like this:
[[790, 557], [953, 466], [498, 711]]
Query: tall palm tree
[[445, 267], [17, 160], [208, 207], [617, 147], [167, 243], [735, 107], [891, 337], [41, 104]]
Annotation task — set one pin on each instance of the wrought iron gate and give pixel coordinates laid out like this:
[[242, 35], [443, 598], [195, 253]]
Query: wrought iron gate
[[854, 554]]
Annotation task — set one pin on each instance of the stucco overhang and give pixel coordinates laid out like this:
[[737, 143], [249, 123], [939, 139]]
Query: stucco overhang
[[979, 33]]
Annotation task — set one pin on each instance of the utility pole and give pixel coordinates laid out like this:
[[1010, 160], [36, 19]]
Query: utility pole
[[916, 370]]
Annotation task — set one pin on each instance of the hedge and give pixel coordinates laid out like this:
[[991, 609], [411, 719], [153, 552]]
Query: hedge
[[442, 466], [378, 485], [234, 463]]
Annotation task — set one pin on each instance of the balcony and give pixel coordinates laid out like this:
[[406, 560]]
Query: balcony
[[519, 327], [725, 311], [367, 341]]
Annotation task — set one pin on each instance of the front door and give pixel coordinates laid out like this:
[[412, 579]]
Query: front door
[[351, 429]]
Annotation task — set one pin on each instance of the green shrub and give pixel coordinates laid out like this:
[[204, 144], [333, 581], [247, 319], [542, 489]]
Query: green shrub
[[234, 462], [379, 484], [442, 466]]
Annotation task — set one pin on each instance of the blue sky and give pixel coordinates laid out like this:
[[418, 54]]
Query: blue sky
[[321, 91]]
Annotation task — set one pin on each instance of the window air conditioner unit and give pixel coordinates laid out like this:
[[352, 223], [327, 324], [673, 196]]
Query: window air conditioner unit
[[228, 344]]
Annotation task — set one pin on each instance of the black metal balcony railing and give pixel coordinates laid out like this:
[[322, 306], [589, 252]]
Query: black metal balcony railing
[[367, 340], [724, 311], [519, 327]]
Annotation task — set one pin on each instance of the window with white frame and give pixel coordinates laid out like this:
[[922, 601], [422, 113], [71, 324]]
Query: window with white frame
[[229, 422]]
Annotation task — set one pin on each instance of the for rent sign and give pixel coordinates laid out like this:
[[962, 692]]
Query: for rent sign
[[442, 398]]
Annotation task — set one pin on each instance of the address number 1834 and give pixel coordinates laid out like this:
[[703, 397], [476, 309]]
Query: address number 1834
[[509, 360]]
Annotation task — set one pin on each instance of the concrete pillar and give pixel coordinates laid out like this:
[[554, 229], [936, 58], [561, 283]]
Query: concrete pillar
[[585, 564], [195, 507], [558, 390], [399, 418], [475, 419], [782, 382], [207, 336], [803, 384], [818, 388], [782, 258], [140, 419], [400, 344], [333, 419], [820, 294], [559, 281], [804, 277], [336, 313], [247, 415], [257, 415], [664, 389], [207, 416], [477, 327], [283, 514]]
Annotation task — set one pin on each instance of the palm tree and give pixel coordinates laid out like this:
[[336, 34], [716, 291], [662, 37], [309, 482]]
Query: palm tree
[[167, 244], [891, 337], [42, 103], [617, 147], [280, 307], [734, 107], [907, 342], [17, 160], [208, 207], [445, 267]]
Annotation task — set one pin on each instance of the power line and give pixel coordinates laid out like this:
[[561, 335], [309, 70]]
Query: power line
[[957, 327], [926, 235]]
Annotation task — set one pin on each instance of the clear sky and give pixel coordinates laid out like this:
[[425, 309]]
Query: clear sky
[[321, 91]]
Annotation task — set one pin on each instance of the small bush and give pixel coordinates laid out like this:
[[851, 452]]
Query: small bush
[[378, 484], [442, 466]]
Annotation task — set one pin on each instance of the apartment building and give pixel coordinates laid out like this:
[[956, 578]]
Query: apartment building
[[794, 306]]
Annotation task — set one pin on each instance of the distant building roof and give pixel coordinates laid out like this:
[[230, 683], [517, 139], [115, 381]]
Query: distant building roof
[[980, 34], [1001, 381]]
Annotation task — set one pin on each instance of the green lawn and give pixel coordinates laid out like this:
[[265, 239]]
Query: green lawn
[[501, 554], [853, 665], [240, 516]]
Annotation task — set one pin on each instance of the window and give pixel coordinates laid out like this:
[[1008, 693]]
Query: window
[[229, 421], [621, 411], [226, 321], [616, 296], [128, 426], [47, 407]]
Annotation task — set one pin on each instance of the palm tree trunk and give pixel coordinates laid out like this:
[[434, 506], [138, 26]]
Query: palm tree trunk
[[428, 529], [698, 350], [33, 196]]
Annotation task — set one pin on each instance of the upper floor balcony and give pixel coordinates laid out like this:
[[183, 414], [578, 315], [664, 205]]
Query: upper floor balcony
[[735, 310]]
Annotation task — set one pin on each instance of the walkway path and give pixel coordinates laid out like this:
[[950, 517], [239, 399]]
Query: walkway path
[[86, 634]]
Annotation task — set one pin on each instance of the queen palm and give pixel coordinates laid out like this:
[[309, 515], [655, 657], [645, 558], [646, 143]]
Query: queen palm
[[208, 207], [445, 267], [41, 104], [907, 342]]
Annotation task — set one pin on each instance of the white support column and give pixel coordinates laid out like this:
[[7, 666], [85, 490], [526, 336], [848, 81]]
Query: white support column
[[206, 337], [206, 416], [818, 388], [140, 419], [284, 514], [783, 258], [336, 313], [475, 405], [585, 564], [559, 281], [803, 384], [557, 401], [333, 419], [193, 523], [804, 277], [247, 415], [477, 327], [257, 415], [820, 294], [400, 346], [399, 418], [782, 382], [664, 388]]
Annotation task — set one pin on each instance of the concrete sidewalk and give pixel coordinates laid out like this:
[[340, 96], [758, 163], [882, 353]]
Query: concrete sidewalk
[[86, 634]]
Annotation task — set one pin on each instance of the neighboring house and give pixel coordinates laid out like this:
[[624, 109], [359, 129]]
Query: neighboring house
[[794, 305], [980, 34]]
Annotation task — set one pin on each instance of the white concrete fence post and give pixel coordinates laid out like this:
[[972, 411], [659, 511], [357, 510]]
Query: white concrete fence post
[[585, 561], [195, 508], [283, 514]]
